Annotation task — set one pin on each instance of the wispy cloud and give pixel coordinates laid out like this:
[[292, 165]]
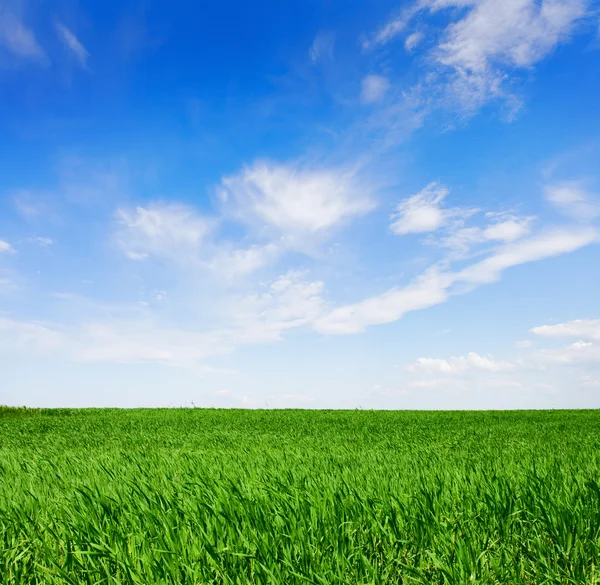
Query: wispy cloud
[[545, 244], [413, 40], [322, 47], [173, 231], [374, 88], [573, 200], [428, 290], [73, 44], [43, 241], [435, 286], [261, 317], [19, 39], [476, 54], [29, 335]]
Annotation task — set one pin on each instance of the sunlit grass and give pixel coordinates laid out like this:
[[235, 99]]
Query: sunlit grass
[[285, 497]]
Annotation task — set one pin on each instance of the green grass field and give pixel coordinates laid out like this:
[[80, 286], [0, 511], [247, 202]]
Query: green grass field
[[296, 497]]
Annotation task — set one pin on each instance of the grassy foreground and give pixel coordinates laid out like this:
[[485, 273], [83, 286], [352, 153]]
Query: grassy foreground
[[290, 497]]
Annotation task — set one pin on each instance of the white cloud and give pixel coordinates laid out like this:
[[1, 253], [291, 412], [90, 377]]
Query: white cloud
[[460, 365], [394, 27], [538, 247], [231, 263], [489, 40], [17, 38], [44, 242], [576, 353], [374, 88], [288, 302], [296, 202], [496, 36], [462, 239], [434, 287], [524, 344], [178, 233], [424, 212], [509, 230], [421, 212], [580, 328], [73, 43], [517, 33], [573, 200], [173, 231], [135, 336], [30, 205], [322, 47], [530, 378], [6, 247], [587, 380], [430, 289], [143, 341], [412, 40], [29, 335]]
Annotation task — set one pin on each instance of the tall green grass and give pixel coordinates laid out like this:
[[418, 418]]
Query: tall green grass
[[297, 497]]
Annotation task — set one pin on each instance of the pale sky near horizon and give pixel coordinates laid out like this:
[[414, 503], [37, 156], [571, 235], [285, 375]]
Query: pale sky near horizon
[[310, 203]]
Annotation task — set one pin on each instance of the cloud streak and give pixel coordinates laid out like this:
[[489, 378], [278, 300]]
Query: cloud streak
[[435, 286], [73, 44], [19, 39]]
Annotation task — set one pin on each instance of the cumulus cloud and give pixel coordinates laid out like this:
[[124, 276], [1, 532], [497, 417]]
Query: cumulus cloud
[[425, 213], [576, 353], [17, 38], [460, 365], [574, 366], [374, 88], [293, 201], [5, 247], [508, 230], [73, 44], [422, 212], [580, 328]]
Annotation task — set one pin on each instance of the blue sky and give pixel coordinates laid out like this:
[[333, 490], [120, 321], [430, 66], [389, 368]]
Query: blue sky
[[300, 204]]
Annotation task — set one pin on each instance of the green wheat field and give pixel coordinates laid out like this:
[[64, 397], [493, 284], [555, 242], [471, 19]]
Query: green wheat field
[[181, 496]]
